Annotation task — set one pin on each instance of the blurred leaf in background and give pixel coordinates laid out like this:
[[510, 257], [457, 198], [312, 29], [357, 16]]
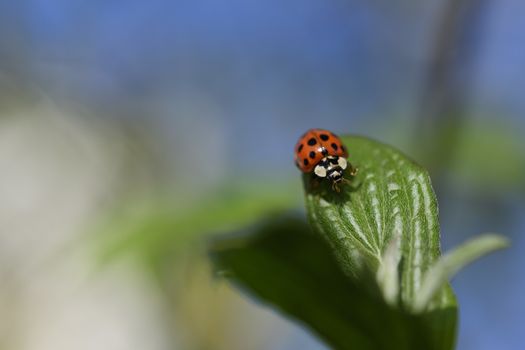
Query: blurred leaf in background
[[165, 240], [490, 158], [160, 231]]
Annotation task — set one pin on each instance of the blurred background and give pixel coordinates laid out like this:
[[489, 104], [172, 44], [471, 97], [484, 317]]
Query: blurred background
[[131, 131]]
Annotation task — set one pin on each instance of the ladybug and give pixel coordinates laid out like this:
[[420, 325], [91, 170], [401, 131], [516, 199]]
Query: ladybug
[[322, 153]]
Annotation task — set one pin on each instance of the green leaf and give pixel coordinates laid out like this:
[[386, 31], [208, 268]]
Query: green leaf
[[390, 198], [385, 224], [284, 264], [448, 265], [368, 277]]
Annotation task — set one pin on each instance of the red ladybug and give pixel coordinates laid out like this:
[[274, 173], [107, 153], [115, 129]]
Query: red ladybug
[[322, 152]]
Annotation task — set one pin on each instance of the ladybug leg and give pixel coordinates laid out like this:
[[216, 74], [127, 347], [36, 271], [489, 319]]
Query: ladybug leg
[[315, 182], [353, 170]]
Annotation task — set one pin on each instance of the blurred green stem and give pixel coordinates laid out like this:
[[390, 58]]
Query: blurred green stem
[[442, 113]]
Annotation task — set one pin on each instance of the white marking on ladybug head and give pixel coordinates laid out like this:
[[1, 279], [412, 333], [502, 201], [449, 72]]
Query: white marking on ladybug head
[[320, 171], [342, 163], [335, 176]]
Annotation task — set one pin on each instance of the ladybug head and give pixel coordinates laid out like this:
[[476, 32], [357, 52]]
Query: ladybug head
[[332, 168], [335, 175]]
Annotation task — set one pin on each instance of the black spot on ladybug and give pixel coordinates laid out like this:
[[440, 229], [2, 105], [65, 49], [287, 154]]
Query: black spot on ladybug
[[312, 154], [312, 141], [324, 137], [305, 161], [324, 151], [300, 148], [334, 146]]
